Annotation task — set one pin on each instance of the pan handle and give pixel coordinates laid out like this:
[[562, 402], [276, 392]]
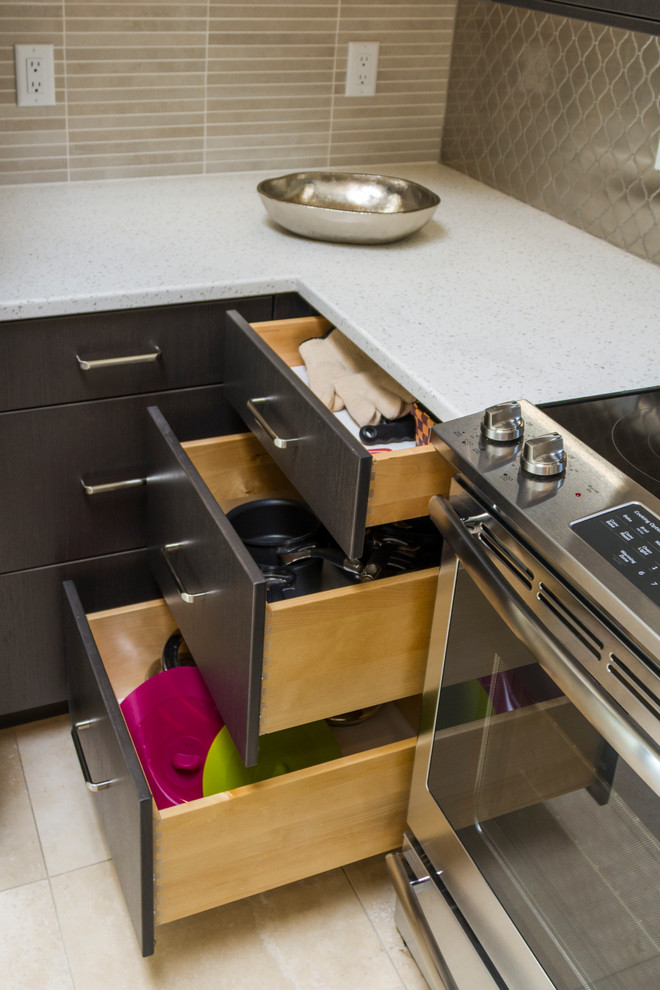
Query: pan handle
[[352, 565]]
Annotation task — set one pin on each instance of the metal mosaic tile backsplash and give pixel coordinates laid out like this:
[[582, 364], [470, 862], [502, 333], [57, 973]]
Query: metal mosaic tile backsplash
[[562, 114]]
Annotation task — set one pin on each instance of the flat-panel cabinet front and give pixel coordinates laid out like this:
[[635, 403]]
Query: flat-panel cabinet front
[[214, 589], [31, 617], [111, 770], [89, 356], [63, 498]]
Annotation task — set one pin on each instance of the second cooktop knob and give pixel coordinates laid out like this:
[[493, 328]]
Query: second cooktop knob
[[544, 457], [503, 422]]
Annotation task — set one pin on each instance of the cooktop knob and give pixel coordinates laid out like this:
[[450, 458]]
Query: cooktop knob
[[544, 457], [503, 422]]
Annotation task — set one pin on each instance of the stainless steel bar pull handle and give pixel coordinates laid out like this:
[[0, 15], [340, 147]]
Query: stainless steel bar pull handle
[[186, 596], [87, 364], [635, 748], [280, 442], [92, 785], [112, 486]]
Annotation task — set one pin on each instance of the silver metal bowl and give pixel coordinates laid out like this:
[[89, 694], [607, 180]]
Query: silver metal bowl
[[348, 206]]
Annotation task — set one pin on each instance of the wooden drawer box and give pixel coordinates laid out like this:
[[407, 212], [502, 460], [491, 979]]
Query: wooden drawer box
[[328, 652], [347, 487], [185, 859]]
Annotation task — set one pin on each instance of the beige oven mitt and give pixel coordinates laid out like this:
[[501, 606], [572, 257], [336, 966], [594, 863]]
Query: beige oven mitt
[[343, 377]]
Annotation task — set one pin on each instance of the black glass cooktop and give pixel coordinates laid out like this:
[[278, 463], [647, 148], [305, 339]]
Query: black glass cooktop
[[623, 428]]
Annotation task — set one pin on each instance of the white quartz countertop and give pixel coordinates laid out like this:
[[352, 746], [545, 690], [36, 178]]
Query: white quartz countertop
[[492, 300]]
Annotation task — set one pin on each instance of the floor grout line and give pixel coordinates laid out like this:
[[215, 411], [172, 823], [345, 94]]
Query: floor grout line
[[44, 860], [375, 930]]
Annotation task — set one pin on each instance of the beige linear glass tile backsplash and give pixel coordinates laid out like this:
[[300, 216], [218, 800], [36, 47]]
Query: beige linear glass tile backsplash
[[154, 88]]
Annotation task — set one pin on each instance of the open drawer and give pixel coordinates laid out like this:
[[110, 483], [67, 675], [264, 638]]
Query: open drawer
[[346, 486], [273, 665], [194, 856]]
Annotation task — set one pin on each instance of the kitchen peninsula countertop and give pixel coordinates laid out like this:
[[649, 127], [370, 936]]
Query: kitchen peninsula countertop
[[492, 300]]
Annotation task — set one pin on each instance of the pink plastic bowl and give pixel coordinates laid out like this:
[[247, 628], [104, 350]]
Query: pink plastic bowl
[[173, 720]]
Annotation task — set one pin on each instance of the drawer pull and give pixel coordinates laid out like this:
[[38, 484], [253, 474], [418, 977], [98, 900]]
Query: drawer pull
[[278, 441], [112, 486], [89, 365], [93, 785], [185, 596]]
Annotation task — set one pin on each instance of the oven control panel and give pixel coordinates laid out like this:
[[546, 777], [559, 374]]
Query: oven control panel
[[629, 538], [570, 505]]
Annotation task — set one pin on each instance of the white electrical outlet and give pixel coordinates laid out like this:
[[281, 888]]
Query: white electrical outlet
[[657, 158], [35, 75], [362, 68]]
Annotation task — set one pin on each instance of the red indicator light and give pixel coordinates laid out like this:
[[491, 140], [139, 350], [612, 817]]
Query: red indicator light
[[578, 494]]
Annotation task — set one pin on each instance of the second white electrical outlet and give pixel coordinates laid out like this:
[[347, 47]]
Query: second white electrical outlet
[[362, 68], [35, 77]]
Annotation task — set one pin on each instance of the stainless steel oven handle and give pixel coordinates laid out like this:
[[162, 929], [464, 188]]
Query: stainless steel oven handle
[[636, 749]]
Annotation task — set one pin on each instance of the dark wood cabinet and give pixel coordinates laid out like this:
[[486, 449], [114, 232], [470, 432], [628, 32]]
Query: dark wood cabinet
[[269, 665], [74, 391]]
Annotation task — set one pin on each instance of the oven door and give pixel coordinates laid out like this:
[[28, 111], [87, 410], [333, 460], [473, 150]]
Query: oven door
[[535, 797]]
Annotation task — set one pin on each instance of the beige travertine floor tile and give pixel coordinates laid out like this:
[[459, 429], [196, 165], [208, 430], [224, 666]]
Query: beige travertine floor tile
[[319, 932], [312, 935], [371, 884], [21, 860], [31, 948], [63, 807]]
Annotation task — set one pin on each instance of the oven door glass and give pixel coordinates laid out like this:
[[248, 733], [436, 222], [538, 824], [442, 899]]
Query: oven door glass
[[564, 832]]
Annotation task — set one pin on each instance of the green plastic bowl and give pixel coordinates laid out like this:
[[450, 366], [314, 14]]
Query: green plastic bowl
[[279, 753]]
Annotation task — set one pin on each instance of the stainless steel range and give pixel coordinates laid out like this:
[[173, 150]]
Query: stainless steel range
[[533, 853]]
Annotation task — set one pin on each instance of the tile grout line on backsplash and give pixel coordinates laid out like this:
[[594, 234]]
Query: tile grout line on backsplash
[[65, 61], [205, 134], [333, 85]]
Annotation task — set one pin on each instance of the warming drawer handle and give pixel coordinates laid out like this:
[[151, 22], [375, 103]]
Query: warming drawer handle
[[87, 364], [112, 486], [429, 948], [281, 442], [634, 747], [93, 785], [186, 596]]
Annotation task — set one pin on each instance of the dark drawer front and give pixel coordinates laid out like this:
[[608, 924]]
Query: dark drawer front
[[213, 587], [32, 667], [112, 770], [44, 362], [328, 466], [47, 453]]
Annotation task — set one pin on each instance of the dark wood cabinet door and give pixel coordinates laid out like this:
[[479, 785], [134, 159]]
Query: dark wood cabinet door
[[47, 516], [32, 666], [328, 466], [112, 770], [213, 587], [96, 355]]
